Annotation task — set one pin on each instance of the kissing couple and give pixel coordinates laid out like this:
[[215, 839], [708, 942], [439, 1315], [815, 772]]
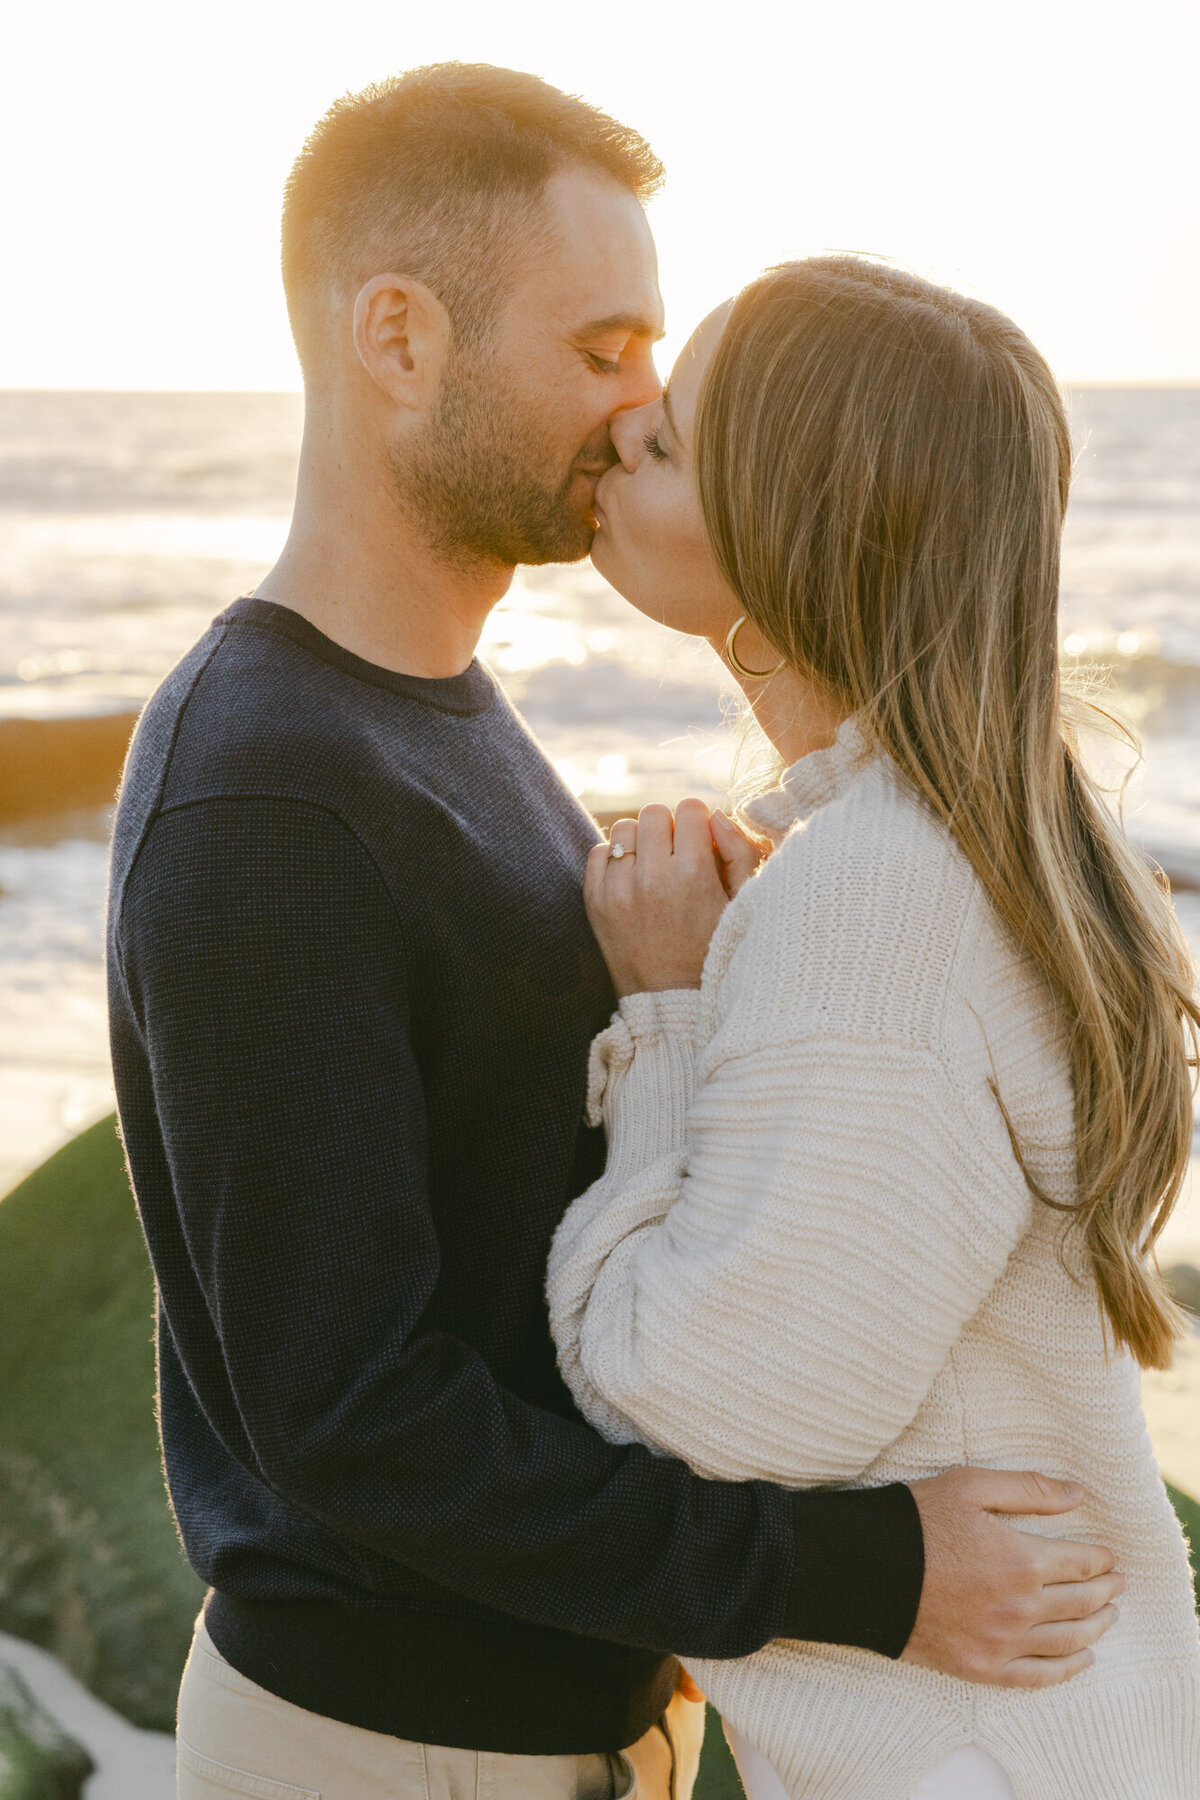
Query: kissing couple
[[593, 1275]]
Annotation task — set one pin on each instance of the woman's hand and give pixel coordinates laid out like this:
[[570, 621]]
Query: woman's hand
[[739, 855], [655, 891]]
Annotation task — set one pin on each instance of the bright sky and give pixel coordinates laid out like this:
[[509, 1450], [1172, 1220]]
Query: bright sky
[[1040, 153]]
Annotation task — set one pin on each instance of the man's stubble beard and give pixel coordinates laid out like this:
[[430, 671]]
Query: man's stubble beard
[[478, 486]]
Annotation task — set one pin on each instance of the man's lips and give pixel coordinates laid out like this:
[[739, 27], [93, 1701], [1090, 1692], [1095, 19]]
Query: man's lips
[[597, 508], [595, 473]]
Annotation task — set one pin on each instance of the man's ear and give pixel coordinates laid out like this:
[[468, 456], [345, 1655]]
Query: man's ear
[[402, 335]]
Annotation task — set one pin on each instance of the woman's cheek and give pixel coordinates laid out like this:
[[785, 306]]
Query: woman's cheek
[[634, 537]]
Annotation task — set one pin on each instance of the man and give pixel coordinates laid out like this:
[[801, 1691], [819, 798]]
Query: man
[[352, 993]]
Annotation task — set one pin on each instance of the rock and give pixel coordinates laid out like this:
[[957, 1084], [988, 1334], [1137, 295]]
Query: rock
[[38, 1761], [1189, 1517], [718, 1776], [128, 1764], [50, 765], [90, 1563], [1183, 1285]]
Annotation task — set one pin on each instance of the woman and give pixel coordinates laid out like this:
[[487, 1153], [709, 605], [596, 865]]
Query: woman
[[884, 1180]]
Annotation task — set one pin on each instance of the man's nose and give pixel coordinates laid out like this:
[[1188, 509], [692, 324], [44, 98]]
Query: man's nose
[[628, 429], [642, 380]]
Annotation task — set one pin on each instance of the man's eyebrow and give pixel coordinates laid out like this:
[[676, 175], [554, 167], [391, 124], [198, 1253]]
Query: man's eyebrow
[[636, 324]]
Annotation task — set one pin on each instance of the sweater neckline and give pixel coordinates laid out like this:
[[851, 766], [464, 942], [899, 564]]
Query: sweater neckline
[[810, 783], [467, 694]]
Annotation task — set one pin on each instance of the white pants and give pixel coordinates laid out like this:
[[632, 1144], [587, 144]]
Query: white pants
[[967, 1775]]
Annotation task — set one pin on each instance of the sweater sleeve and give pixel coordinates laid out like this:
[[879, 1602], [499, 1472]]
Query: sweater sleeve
[[774, 1293], [262, 961]]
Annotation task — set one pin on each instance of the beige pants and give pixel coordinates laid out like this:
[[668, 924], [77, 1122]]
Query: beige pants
[[235, 1738]]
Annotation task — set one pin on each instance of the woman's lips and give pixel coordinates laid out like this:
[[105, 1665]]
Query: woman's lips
[[597, 505]]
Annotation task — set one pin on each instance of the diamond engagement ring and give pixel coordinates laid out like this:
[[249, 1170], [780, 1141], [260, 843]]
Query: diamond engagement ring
[[616, 851]]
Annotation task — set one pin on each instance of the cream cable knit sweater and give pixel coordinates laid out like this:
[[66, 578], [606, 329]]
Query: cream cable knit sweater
[[812, 1258]]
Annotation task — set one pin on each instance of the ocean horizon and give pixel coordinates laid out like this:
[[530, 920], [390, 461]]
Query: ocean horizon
[[128, 520]]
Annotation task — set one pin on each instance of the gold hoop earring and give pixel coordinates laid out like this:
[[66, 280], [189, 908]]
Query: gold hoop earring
[[739, 668]]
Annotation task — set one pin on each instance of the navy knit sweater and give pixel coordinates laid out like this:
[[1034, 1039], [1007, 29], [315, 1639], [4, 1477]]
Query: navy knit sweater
[[352, 991]]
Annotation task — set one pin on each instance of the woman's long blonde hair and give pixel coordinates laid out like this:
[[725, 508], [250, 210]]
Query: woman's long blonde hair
[[883, 467]]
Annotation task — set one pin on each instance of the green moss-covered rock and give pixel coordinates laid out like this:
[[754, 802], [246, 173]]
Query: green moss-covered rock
[[718, 1778], [1189, 1517], [90, 1564], [37, 1760]]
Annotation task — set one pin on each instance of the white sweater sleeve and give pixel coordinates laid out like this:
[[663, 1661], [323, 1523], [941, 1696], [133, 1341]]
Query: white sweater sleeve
[[768, 1278]]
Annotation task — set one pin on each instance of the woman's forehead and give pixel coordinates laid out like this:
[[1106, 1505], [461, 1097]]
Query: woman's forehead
[[692, 361]]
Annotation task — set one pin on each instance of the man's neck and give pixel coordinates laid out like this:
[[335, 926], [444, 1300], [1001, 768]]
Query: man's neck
[[359, 571]]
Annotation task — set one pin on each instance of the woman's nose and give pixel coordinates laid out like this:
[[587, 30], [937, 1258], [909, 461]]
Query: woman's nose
[[628, 432]]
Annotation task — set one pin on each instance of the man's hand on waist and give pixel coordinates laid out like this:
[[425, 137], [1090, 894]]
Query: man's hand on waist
[[998, 1604]]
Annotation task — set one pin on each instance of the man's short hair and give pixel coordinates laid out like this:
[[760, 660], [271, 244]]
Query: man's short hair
[[438, 174]]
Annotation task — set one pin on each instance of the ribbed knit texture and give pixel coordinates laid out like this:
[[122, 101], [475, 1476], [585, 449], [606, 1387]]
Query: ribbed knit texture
[[813, 1257]]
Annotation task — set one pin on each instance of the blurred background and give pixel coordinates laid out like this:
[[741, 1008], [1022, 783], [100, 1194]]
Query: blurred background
[[1043, 156]]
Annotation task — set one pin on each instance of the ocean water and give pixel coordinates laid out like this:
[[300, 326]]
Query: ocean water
[[128, 521]]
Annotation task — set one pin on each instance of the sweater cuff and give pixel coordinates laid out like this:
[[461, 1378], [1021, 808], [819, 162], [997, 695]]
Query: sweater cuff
[[651, 1015], [669, 1019], [859, 1568]]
